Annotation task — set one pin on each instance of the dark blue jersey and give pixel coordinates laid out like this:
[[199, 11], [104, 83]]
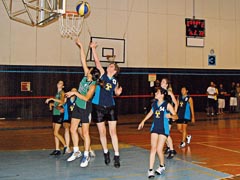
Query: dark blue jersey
[[184, 111], [68, 108], [160, 123], [104, 95]]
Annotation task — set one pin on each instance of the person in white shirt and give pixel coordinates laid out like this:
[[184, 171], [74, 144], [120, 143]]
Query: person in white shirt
[[211, 93]]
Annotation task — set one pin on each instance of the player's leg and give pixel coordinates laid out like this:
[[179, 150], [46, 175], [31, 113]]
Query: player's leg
[[114, 138], [103, 139], [161, 141], [74, 134], [58, 135], [86, 136], [66, 126], [172, 152], [154, 142]]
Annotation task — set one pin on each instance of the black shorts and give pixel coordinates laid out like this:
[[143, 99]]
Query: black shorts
[[83, 114], [211, 102], [57, 119], [182, 121], [101, 113], [170, 121]]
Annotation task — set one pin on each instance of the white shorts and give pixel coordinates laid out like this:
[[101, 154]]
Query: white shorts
[[233, 101], [221, 103]]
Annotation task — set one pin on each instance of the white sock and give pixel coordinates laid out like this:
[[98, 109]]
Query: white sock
[[116, 153], [105, 151], [75, 149], [86, 153]]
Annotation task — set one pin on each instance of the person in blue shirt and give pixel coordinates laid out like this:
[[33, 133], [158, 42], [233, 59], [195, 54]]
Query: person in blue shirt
[[68, 108], [170, 97], [185, 114], [161, 111], [104, 106]]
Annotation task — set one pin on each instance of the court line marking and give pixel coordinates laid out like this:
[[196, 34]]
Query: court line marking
[[198, 162], [230, 150], [231, 165]]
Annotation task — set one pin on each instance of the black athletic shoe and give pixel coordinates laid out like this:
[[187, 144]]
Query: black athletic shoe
[[57, 153], [167, 150], [171, 154], [53, 153], [174, 152], [107, 158], [116, 161], [64, 150]]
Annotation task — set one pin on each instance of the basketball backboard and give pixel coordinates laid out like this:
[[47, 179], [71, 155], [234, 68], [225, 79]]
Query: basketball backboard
[[34, 12], [109, 49]]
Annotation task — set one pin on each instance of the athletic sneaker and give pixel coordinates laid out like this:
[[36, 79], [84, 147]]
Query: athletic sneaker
[[167, 150], [57, 153], [150, 174], [116, 161], [107, 158], [92, 154], [74, 156], [182, 145], [84, 161], [189, 137], [160, 170], [171, 154], [64, 150], [53, 153]]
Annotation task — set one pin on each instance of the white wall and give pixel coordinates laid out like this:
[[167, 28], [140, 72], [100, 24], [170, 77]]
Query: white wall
[[155, 34]]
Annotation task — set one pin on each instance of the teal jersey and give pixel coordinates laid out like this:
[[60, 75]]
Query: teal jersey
[[83, 88], [57, 96]]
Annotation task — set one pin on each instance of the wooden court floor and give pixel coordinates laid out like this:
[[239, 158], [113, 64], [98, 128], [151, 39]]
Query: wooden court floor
[[215, 140]]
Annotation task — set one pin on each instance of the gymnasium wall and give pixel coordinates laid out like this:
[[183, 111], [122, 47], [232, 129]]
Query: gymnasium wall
[[154, 32], [15, 103]]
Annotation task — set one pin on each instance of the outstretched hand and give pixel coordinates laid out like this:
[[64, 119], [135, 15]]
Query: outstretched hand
[[69, 94], [93, 45], [47, 100], [141, 125]]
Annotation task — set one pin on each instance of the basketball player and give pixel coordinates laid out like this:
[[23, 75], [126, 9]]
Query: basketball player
[[159, 129], [171, 99], [82, 109], [104, 106], [68, 108], [57, 118], [185, 114]]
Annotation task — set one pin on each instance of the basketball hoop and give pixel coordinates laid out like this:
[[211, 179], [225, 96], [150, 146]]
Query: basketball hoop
[[111, 58], [70, 25]]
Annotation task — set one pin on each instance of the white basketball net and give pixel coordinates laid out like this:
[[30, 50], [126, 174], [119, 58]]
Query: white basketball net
[[70, 25]]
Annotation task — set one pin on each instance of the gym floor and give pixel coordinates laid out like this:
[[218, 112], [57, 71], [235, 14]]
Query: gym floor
[[214, 152]]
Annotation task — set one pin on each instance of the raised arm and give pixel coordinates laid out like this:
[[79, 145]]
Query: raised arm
[[86, 97], [174, 100], [83, 56], [93, 45]]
